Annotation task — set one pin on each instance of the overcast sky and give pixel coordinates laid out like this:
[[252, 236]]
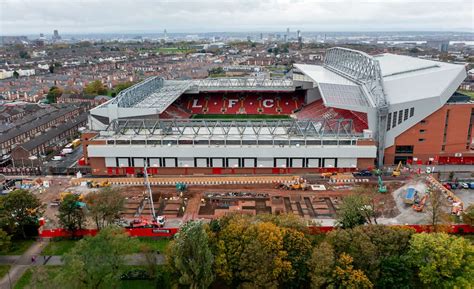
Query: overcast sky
[[101, 16]]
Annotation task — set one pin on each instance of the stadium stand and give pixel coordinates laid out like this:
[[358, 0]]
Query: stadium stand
[[175, 111], [243, 103], [317, 109]]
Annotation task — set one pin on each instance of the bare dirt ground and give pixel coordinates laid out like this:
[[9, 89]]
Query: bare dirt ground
[[320, 205]]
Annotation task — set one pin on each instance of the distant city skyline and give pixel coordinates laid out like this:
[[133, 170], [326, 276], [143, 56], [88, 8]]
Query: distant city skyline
[[199, 16]]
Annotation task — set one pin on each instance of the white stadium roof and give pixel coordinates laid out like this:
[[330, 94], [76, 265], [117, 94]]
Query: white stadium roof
[[412, 79], [404, 79]]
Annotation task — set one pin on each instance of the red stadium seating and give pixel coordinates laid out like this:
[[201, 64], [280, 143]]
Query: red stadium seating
[[243, 102], [317, 109], [175, 111]]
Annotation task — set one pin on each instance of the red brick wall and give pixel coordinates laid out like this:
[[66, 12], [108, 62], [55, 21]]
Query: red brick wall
[[434, 126]]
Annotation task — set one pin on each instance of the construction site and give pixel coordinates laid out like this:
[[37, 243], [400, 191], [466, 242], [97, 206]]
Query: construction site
[[400, 198]]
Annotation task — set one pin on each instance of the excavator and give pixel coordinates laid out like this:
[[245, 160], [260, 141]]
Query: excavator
[[295, 185], [382, 187], [396, 172], [95, 184]]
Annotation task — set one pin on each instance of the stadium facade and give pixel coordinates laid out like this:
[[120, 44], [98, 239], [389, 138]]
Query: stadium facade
[[355, 111]]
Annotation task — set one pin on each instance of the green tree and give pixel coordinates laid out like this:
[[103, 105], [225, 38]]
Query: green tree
[[71, 214], [321, 265], [51, 68], [16, 74], [371, 247], [96, 262], [53, 94], [122, 86], [21, 209], [355, 210], [95, 87], [436, 210], [443, 261], [190, 256], [24, 54], [105, 206], [298, 249], [251, 253], [5, 241], [468, 215], [327, 271], [263, 261], [345, 276]]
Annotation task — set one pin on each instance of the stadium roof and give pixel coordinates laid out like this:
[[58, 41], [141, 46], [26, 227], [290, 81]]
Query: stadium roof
[[412, 79], [220, 84], [153, 95], [336, 90], [342, 81]]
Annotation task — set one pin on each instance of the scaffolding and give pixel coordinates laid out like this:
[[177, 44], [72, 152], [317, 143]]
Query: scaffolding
[[245, 129], [242, 83]]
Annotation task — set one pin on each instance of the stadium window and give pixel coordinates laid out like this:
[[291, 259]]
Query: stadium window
[[265, 142], [249, 142], [122, 142], [423, 121], [412, 111], [400, 116], [329, 142], [443, 147], [233, 142], [394, 120], [403, 149], [389, 121], [421, 139], [422, 130], [405, 116], [138, 142], [313, 142]]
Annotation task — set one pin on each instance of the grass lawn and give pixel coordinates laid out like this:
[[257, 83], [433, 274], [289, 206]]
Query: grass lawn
[[468, 93], [59, 247], [172, 50], [18, 247], [47, 273], [138, 284], [3, 270], [239, 116], [153, 244], [24, 280]]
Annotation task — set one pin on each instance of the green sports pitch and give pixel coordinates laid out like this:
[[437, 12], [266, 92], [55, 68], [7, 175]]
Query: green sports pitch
[[239, 116]]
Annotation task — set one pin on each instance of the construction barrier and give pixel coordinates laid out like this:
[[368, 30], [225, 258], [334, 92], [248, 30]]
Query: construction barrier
[[205, 180], [458, 204]]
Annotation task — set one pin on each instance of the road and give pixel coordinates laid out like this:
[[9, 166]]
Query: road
[[68, 161]]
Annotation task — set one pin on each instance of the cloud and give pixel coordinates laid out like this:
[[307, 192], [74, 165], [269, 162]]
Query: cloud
[[100, 16]]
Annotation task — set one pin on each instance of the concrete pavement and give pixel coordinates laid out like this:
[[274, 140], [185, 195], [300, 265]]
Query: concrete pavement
[[20, 264]]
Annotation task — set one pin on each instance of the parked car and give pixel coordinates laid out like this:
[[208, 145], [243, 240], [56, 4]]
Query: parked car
[[471, 185], [464, 185], [363, 173]]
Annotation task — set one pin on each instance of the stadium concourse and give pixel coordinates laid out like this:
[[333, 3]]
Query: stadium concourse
[[353, 112]]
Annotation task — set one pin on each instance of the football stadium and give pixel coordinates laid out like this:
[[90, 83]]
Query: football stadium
[[355, 111]]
